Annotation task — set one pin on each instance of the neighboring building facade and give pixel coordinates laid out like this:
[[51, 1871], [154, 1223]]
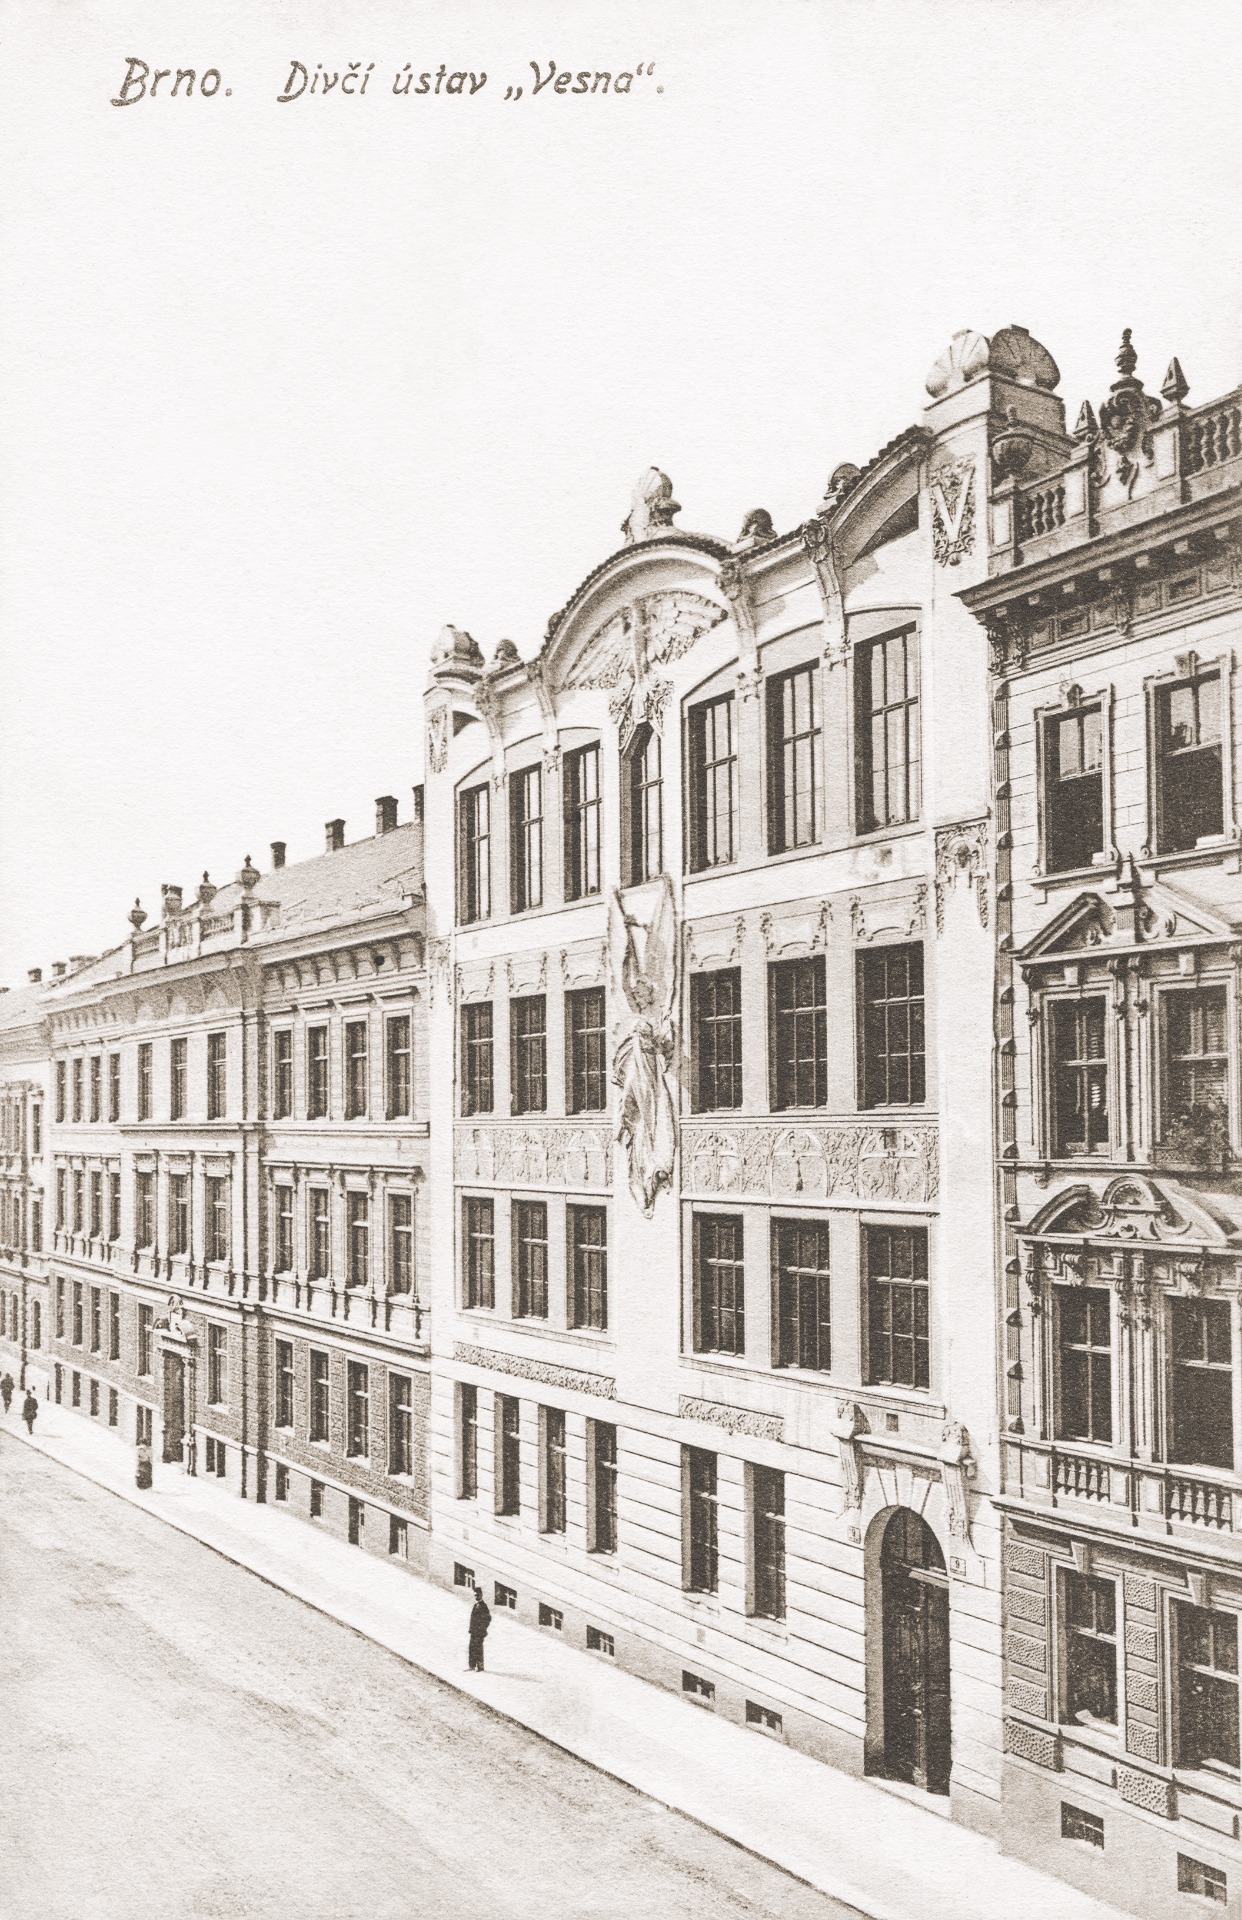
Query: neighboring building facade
[[23, 1210], [1114, 609], [714, 1367], [237, 1141]]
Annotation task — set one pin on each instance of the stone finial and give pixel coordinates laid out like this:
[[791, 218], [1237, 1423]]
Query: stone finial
[[652, 507], [1016, 355], [964, 359], [455, 650], [1127, 358], [1085, 425], [505, 656], [249, 875], [842, 480], [137, 916], [170, 899], [756, 527], [206, 892], [1175, 385], [1012, 447]]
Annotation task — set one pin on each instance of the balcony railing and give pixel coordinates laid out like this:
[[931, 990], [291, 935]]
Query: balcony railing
[[1214, 436], [1198, 1503], [1150, 1496], [1077, 1479]]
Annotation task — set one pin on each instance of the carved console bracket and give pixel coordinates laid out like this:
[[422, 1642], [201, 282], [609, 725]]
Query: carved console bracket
[[962, 854]]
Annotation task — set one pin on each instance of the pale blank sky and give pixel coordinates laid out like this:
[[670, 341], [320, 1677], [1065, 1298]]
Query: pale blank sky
[[287, 387]]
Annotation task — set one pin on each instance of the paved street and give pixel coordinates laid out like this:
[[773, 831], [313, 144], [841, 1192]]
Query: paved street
[[177, 1738]]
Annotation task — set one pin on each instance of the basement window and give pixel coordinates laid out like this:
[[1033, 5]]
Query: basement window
[[1078, 1824]]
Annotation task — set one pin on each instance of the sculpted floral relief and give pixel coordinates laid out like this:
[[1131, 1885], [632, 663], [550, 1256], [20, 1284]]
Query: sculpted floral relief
[[534, 1155], [814, 1162]]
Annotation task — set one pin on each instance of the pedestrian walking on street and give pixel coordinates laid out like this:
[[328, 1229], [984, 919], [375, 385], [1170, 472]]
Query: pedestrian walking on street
[[6, 1390], [30, 1411], [480, 1621]]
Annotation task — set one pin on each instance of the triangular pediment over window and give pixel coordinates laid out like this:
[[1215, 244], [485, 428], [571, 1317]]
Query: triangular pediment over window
[[1132, 916]]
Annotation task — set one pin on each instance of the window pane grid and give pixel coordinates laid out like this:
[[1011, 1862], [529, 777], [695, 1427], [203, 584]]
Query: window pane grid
[[719, 1307], [528, 1048], [793, 759], [801, 1307], [1079, 1076], [716, 1016], [479, 1235], [586, 1050], [1084, 1328], [888, 730], [713, 784], [526, 839], [890, 995], [476, 1048], [897, 1305], [530, 1259], [581, 812], [799, 1033], [588, 1267]]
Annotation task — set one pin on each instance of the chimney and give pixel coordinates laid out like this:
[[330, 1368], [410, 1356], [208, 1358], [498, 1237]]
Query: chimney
[[79, 960], [335, 831], [385, 813], [418, 802], [35, 976], [278, 855], [58, 969]]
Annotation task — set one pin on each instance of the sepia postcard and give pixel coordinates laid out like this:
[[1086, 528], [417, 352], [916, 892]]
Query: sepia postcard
[[620, 960]]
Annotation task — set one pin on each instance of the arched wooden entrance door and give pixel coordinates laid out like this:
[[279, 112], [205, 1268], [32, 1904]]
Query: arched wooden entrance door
[[917, 1744]]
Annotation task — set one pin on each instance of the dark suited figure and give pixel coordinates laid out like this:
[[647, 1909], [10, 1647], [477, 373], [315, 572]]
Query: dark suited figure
[[480, 1621], [6, 1390], [30, 1411]]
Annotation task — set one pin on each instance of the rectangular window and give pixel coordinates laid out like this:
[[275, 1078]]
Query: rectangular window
[[62, 1188], [765, 1718], [284, 1384], [146, 1322], [357, 1521], [712, 753], [1207, 1689], [643, 777], [794, 805], [144, 1210], [586, 1052], [217, 1365], [79, 1189], [145, 1079], [528, 1053], [1201, 1388], [1078, 1824], [355, 1069], [891, 1067], [530, 1260], [474, 854], [114, 1326], [505, 1597], [36, 1120], [94, 1398], [886, 720], [397, 1067], [581, 813], [477, 1087], [695, 1688], [508, 1455], [467, 1442], [767, 1542], [1189, 776], [316, 1073], [60, 1309], [551, 1617], [282, 1073], [1196, 1069], [281, 1490], [36, 1221], [699, 1484], [719, 1307], [895, 1266], [1085, 1364], [178, 1077], [316, 1499], [96, 1320], [552, 1424], [357, 1239], [400, 1423], [600, 1642], [358, 1410], [96, 1086], [602, 1492], [284, 1229], [1196, 1876], [114, 1407], [1090, 1621], [478, 1227], [1073, 789], [320, 1234], [77, 1090], [1079, 1075], [217, 1221], [179, 1213], [716, 1039], [60, 1093], [526, 839], [97, 1190], [400, 1242], [587, 1229], [114, 1206], [217, 1075], [801, 1298], [798, 1023], [320, 1397]]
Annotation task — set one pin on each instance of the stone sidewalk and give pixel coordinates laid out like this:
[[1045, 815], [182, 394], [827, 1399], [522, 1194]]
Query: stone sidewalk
[[863, 1844]]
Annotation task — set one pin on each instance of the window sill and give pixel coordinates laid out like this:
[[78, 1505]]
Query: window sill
[[1205, 852]]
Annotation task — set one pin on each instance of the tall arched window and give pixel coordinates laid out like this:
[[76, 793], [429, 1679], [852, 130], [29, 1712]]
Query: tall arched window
[[643, 852]]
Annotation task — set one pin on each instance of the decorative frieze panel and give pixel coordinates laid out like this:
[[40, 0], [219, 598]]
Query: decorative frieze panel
[[714, 944], [571, 1379], [794, 932], [831, 1161], [531, 1154], [900, 915], [758, 1426]]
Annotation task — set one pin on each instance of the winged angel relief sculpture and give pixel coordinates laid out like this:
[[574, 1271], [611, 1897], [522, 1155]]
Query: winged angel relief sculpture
[[644, 1063]]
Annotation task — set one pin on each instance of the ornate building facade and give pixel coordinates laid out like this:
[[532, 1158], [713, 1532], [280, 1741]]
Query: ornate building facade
[[1114, 609], [714, 1359], [237, 1145], [23, 1117]]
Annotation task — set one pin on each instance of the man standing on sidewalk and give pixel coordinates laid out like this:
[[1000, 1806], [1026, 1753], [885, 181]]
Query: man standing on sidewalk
[[480, 1621], [6, 1390], [30, 1411]]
